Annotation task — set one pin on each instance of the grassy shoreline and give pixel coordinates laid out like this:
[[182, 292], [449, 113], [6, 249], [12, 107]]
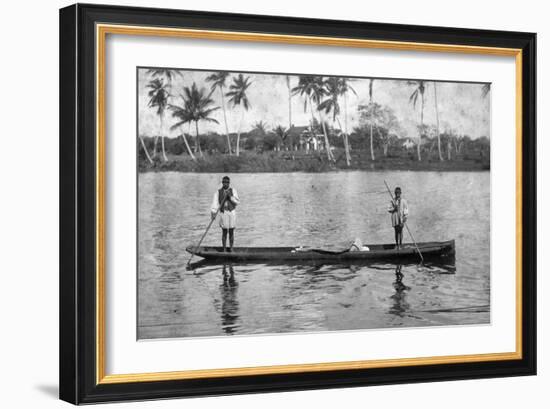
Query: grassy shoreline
[[297, 161]]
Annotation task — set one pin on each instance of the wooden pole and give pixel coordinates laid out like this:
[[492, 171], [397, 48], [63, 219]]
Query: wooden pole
[[208, 228], [410, 234]]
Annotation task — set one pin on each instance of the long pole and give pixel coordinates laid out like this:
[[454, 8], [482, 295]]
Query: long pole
[[410, 234], [207, 228]]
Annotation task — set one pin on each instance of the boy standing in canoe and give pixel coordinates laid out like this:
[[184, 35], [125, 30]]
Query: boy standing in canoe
[[225, 200], [399, 212]]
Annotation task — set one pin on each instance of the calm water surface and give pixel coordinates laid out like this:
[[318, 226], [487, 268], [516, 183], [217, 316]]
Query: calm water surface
[[292, 209]]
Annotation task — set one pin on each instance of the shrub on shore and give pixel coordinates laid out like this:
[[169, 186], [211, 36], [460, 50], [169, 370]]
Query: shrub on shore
[[295, 161]]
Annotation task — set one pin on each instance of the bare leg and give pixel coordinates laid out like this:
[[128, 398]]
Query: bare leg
[[396, 229], [224, 238], [231, 238]]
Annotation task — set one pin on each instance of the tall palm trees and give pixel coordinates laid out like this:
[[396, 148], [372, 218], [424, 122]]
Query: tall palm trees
[[312, 89], [198, 107], [164, 74], [237, 97], [184, 115], [419, 90], [158, 98], [333, 86], [324, 97], [218, 81], [345, 89]]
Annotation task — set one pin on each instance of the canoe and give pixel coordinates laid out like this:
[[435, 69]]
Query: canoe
[[435, 249]]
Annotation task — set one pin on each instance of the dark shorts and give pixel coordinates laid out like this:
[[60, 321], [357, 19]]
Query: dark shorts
[[398, 228]]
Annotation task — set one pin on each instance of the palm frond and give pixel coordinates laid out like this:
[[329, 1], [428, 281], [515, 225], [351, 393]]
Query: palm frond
[[169, 74], [178, 124]]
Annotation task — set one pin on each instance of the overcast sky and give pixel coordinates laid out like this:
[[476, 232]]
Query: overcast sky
[[461, 105]]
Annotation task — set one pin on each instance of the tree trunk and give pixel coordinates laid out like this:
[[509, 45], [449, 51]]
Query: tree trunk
[[330, 156], [289, 103], [437, 123], [386, 150], [187, 144], [239, 132], [421, 129], [343, 138], [225, 120], [155, 146], [162, 138], [348, 154], [371, 145], [346, 141], [449, 148], [312, 124], [371, 118], [145, 150], [198, 141]]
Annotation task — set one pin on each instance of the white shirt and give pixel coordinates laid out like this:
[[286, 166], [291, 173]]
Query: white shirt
[[216, 203]]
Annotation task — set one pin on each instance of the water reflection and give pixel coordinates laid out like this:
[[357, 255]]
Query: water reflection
[[313, 296], [230, 302], [399, 305]]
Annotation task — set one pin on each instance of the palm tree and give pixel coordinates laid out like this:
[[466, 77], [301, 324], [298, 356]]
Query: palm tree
[[333, 85], [158, 97], [261, 127], [184, 115], [437, 123], [167, 74], [289, 102], [198, 107], [420, 88], [312, 89], [345, 88], [237, 97], [218, 81], [281, 132]]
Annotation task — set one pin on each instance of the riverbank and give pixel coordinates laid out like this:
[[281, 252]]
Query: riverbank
[[298, 161]]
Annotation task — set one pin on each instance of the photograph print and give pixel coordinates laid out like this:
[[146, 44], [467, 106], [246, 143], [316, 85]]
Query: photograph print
[[279, 203]]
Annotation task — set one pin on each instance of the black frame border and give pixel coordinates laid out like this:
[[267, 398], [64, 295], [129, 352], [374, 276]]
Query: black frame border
[[77, 254]]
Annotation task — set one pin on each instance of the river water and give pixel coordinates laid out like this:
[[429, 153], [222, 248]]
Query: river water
[[317, 209]]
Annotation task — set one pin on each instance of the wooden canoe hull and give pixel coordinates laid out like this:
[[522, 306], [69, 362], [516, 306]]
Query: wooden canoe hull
[[376, 252]]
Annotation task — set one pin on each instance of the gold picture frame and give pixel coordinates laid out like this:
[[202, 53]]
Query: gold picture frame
[[97, 20]]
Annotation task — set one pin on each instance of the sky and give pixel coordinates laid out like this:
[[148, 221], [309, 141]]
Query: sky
[[461, 106]]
